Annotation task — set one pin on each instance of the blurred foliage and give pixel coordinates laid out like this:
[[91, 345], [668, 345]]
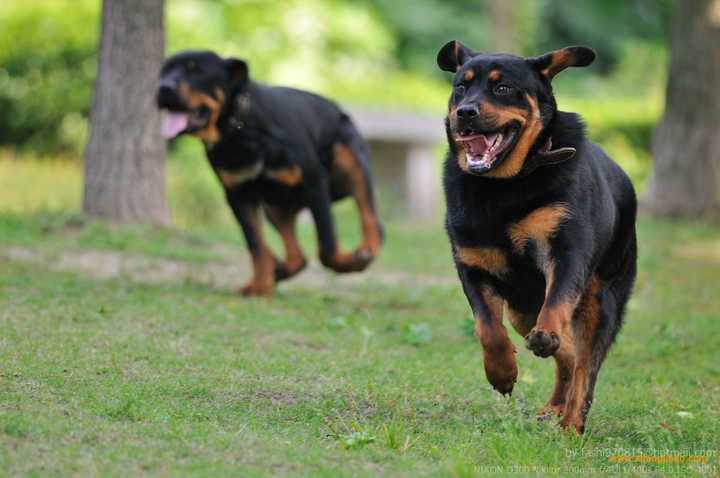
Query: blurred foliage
[[422, 26], [369, 53], [605, 25], [47, 67]]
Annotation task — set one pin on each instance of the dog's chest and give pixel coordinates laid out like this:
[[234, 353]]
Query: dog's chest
[[246, 159], [513, 246]]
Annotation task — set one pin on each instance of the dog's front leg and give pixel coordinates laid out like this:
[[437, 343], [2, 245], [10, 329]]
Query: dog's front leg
[[262, 281], [564, 282], [498, 352]]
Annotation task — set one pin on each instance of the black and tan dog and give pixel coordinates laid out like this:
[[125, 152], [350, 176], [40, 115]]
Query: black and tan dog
[[541, 222], [278, 149]]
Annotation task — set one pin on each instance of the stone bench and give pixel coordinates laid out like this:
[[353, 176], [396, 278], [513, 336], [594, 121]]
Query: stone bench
[[403, 151]]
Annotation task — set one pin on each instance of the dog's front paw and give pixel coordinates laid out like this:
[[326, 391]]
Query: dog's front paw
[[501, 370], [542, 343], [503, 380]]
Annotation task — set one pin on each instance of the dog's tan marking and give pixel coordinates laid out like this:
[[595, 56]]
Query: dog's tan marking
[[469, 74], [231, 179], [494, 75], [195, 99], [579, 393], [498, 351], [540, 225], [291, 176], [220, 95], [490, 259], [559, 60], [462, 159], [529, 130], [530, 127], [522, 323], [284, 222], [262, 281], [564, 363], [346, 161], [457, 55]]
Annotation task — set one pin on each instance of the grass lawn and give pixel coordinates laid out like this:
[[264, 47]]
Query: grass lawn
[[124, 378]]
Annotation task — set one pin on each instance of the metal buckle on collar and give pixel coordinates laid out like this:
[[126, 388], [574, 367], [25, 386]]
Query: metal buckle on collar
[[242, 106]]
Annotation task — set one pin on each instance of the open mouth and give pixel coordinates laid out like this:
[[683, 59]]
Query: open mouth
[[177, 122], [483, 151]]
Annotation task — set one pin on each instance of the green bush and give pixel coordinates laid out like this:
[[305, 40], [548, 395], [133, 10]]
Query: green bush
[[47, 67]]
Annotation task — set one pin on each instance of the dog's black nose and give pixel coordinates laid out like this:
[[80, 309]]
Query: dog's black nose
[[468, 111], [166, 91], [167, 96]]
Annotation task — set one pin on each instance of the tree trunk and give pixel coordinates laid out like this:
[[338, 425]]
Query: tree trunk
[[503, 32], [125, 155], [686, 145]]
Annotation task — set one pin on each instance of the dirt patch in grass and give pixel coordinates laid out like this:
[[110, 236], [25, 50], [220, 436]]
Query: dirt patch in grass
[[105, 264], [703, 251]]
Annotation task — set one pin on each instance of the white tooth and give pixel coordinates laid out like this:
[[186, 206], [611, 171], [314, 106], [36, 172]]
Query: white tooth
[[496, 143]]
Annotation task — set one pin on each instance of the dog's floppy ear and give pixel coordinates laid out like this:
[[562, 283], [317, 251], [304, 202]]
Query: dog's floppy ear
[[550, 64], [452, 55], [237, 69]]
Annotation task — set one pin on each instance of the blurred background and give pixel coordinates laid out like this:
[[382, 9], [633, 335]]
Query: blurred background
[[369, 55]]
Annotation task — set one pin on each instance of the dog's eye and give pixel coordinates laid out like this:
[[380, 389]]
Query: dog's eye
[[502, 90], [190, 66], [460, 90]]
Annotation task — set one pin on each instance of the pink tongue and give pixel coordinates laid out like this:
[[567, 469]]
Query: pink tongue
[[173, 124], [478, 146]]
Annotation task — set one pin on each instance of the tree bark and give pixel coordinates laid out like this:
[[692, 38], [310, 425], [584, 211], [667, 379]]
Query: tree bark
[[503, 32], [686, 144], [125, 155]]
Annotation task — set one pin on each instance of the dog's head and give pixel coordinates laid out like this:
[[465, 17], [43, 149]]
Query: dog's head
[[501, 104], [194, 87]]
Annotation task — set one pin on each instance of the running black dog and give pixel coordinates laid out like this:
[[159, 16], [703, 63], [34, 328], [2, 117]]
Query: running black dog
[[541, 222], [277, 148]]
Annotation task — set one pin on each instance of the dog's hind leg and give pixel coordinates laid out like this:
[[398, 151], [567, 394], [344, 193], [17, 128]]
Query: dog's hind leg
[[564, 365], [596, 323], [284, 222], [584, 325], [350, 159], [564, 362], [329, 250]]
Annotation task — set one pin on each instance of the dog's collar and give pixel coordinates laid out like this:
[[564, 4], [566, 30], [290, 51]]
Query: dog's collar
[[239, 112], [546, 157]]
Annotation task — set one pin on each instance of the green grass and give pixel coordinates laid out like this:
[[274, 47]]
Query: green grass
[[115, 378]]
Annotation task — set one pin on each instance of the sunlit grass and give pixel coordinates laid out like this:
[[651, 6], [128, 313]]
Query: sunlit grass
[[29, 184]]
